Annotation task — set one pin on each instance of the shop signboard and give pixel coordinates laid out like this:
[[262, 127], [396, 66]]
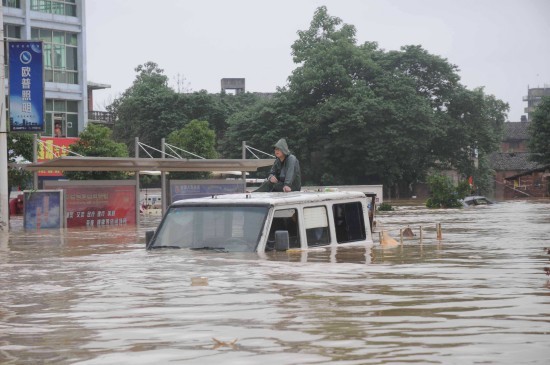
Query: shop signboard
[[52, 147]]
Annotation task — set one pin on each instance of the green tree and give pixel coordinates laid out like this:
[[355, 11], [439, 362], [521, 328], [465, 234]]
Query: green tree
[[20, 145], [539, 129], [443, 194], [96, 141], [368, 115], [471, 125], [196, 137], [149, 109]]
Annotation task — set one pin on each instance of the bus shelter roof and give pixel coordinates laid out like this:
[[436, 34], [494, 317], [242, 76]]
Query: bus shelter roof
[[72, 163]]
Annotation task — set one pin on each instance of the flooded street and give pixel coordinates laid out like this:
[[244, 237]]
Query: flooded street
[[95, 296]]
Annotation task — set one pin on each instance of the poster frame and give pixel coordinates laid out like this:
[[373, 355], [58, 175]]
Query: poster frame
[[28, 212]]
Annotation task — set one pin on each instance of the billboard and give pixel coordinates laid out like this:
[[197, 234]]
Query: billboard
[[187, 189], [26, 86], [98, 203], [51, 148], [43, 209]]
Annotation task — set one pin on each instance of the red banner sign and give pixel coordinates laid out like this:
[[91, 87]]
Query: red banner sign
[[51, 148], [92, 206]]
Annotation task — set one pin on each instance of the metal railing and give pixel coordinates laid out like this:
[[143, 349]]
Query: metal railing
[[101, 117]]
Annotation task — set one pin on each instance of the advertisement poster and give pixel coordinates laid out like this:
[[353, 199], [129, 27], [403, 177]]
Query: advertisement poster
[[51, 148], [187, 189], [98, 206], [43, 209], [26, 86]]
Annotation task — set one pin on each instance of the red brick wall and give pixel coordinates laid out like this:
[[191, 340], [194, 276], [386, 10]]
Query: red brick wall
[[534, 185]]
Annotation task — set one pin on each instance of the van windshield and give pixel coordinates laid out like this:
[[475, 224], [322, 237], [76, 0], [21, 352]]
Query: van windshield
[[223, 228]]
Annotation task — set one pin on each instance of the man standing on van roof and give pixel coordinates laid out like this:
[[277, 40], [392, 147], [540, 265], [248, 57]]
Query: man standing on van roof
[[285, 173]]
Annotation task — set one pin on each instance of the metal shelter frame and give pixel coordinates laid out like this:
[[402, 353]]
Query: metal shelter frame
[[136, 164]]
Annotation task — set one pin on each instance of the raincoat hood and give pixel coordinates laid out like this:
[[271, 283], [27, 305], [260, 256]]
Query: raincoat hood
[[281, 144]]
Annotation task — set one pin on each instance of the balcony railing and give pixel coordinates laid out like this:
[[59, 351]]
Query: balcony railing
[[101, 117]]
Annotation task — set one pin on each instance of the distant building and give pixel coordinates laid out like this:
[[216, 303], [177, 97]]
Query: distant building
[[61, 25], [534, 183], [515, 137], [236, 84], [513, 159], [533, 98]]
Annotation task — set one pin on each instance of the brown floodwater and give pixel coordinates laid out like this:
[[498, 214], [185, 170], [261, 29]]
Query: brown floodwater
[[479, 295]]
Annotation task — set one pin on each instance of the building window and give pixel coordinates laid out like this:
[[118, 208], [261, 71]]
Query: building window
[[60, 55], [11, 33], [61, 7], [61, 118], [12, 3]]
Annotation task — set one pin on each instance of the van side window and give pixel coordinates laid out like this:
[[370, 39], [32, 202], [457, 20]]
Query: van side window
[[284, 220], [316, 224], [349, 222]]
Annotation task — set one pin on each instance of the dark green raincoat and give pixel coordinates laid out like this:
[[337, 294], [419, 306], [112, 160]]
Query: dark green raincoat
[[286, 171]]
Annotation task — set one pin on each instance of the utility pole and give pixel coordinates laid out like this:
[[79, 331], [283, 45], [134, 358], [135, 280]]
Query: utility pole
[[4, 193]]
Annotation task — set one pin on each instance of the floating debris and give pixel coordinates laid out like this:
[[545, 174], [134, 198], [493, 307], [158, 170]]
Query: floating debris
[[408, 232], [218, 343], [387, 240], [199, 281]]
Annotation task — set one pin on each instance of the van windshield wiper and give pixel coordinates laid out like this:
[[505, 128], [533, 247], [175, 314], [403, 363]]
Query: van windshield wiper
[[165, 246]]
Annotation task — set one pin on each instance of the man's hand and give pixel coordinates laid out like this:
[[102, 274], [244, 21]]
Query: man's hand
[[273, 179], [286, 189]]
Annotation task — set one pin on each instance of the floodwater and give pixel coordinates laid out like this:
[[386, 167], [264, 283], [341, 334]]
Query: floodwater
[[477, 296]]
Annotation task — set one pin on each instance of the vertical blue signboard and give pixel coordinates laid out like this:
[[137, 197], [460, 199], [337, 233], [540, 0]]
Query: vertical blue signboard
[[26, 95]]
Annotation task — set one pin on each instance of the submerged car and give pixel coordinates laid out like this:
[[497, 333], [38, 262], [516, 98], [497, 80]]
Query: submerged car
[[260, 222], [476, 200]]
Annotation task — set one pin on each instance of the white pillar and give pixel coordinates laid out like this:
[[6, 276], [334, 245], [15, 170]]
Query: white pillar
[[4, 194]]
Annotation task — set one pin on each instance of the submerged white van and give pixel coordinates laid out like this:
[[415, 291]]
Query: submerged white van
[[260, 222]]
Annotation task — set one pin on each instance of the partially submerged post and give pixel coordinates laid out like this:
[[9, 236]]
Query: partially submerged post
[[4, 193]]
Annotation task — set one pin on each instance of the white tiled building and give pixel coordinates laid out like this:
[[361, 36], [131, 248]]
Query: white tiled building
[[60, 24]]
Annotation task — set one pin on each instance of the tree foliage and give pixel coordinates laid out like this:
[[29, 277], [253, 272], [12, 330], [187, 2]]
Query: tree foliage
[[147, 109], [96, 141], [358, 114], [196, 137], [20, 145], [443, 194], [352, 113], [539, 129], [151, 110]]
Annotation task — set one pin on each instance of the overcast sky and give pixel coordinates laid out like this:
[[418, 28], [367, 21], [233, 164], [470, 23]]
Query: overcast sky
[[501, 45]]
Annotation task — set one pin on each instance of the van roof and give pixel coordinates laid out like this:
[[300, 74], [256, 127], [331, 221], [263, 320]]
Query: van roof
[[271, 198]]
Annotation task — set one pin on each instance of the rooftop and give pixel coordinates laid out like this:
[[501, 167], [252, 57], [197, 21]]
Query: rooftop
[[516, 131], [506, 161]]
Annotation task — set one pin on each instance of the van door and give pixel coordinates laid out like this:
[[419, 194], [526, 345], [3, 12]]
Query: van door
[[284, 220]]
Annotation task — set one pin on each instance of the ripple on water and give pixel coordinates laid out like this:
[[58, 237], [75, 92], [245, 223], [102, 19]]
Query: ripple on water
[[479, 295]]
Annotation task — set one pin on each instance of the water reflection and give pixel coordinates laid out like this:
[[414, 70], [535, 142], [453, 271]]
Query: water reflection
[[97, 297]]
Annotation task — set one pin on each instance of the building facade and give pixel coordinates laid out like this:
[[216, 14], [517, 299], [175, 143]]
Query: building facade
[[513, 159], [60, 25], [533, 98]]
